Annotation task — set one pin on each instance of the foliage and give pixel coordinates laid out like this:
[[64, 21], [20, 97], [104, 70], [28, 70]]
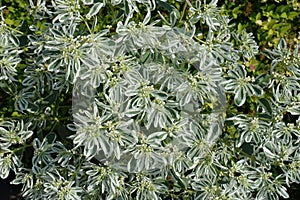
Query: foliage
[[269, 20], [143, 100]]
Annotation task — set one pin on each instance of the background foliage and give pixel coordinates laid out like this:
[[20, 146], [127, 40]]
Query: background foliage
[[156, 128]]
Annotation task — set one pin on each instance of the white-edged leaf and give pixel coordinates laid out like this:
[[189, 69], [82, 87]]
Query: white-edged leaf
[[159, 94], [148, 16], [63, 17], [133, 112], [54, 65], [282, 44], [94, 10], [157, 137], [268, 152], [14, 40], [258, 91], [240, 96], [87, 2], [282, 192], [266, 104]]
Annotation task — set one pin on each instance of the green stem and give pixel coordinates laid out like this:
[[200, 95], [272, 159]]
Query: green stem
[[22, 147], [183, 11], [78, 168], [36, 117], [86, 24], [199, 40], [247, 155], [15, 30]]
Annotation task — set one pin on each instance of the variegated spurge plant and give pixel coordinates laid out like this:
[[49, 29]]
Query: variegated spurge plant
[[127, 99]]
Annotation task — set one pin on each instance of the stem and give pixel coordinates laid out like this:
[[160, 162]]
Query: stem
[[199, 40], [35, 116], [78, 168], [15, 30], [86, 24], [247, 155], [183, 11], [22, 147]]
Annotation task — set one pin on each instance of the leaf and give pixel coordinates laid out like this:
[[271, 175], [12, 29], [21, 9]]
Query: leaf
[[90, 149], [56, 33], [268, 152], [131, 92], [54, 65], [5, 167], [248, 137], [258, 91], [282, 44], [105, 145], [282, 192], [89, 61], [132, 165], [87, 2], [241, 71], [194, 19], [284, 29], [294, 110], [174, 16], [265, 103], [176, 176], [94, 10], [159, 94], [51, 137], [185, 99], [157, 137], [262, 80], [213, 3], [148, 16], [165, 5], [115, 2], [214, 132], [22, 104], [62, 17], [150, 117], [14, 40], [133, 112], [28, 81], [240, 96], [229, 85], [274, 63]]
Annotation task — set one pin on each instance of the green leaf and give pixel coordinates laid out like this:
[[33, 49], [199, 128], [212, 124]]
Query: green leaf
[[285, 29], [292, 15], [283, 15], [240, 27]]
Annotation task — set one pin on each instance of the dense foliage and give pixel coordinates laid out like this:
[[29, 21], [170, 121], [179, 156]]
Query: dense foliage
[[269, 20], [146, 100]]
